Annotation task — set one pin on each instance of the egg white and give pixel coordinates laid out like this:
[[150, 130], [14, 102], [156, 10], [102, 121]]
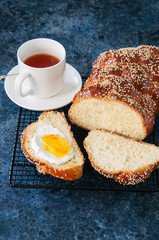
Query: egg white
[[36, 144]]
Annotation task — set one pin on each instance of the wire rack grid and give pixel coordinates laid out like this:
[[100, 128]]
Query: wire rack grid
[[24, 174]]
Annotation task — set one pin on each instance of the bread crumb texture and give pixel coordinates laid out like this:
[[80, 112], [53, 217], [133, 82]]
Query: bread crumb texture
[[113, 115]]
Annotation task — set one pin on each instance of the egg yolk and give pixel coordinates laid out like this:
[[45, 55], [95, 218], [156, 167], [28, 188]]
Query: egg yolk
[[56, 145]]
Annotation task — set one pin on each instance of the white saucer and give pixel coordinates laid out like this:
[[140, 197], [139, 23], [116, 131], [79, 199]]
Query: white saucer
[[72, 84]]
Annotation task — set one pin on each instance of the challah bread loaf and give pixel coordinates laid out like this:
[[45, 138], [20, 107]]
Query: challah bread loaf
[[36, 149], [121, 95], [121, 158]]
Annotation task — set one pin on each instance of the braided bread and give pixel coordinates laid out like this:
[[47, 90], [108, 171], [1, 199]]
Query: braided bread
[[145, 56], [122, 93]]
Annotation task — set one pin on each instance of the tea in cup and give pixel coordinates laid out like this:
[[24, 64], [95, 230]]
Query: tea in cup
[[43, 61]]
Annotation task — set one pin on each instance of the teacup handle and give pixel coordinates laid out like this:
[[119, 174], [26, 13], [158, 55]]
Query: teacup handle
[[19, 81]]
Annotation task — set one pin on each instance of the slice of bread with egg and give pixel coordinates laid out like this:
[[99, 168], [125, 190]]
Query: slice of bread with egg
[[49, 143]]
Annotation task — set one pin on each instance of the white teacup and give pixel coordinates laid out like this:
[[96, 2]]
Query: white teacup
[[45, 82]]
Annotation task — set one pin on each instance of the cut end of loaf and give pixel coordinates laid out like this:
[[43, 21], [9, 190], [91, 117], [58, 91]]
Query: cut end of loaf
[[112, 115], [121, 158]]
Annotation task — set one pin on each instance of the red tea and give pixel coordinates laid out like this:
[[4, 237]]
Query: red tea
[[41, 60]]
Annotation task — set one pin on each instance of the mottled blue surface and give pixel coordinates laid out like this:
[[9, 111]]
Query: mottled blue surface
[[85, 28]]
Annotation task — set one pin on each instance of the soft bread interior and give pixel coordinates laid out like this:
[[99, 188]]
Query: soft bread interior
[[114, 153], [111, 115], [57, 121]]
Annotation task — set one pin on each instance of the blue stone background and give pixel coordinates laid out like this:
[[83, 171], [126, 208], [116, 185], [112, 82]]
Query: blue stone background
[[85, 28]]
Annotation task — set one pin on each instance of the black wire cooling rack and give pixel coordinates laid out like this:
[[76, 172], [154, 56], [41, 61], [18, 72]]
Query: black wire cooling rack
[[24, 174]]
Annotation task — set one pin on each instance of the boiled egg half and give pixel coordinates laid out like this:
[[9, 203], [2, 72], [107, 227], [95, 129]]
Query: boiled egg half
[[51, 145]]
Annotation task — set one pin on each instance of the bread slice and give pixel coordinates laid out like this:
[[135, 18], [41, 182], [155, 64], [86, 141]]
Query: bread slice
[[126, 160], [69, 170]]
